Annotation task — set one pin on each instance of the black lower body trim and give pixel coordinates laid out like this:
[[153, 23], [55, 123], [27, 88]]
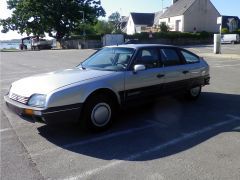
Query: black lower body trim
[[172, 88], [69, 113]]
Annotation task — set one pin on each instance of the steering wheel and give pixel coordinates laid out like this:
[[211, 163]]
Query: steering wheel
[[124, 65]]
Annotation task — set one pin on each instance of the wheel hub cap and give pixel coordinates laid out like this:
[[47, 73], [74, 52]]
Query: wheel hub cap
[[101, 114], [195, 91]]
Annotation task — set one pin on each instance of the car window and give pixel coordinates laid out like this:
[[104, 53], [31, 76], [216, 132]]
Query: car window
[[170, 57], [148, 57], [111, 59], [190, 58]]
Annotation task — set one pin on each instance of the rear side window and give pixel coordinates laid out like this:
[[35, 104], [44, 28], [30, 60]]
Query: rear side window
[[189, 57], [170, 57]]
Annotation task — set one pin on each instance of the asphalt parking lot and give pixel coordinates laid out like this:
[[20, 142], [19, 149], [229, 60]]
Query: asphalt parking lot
[[170, 139]]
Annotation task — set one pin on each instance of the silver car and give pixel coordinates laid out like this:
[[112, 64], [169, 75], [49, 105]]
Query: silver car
[[112, 77]]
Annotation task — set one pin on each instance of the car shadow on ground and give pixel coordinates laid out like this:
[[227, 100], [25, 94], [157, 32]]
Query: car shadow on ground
[[156, 125]]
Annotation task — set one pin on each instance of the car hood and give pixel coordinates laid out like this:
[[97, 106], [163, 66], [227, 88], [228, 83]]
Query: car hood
[[45, 83]]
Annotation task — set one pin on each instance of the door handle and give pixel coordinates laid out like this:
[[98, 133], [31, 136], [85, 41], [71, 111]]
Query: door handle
[[185, 72], [160, 75]]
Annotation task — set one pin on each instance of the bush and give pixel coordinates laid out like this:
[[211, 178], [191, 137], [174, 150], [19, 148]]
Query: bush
[[237, 31], [164, 28], [224, 30]]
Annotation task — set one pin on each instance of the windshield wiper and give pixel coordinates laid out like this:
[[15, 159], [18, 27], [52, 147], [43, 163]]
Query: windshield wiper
[[81, 66]]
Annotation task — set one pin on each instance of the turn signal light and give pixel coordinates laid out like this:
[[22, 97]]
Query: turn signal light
[[28, 112]]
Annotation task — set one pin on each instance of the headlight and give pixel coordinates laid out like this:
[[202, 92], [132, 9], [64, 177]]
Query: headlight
[[37, 100]]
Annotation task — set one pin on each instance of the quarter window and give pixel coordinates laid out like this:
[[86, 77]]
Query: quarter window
[[170, 57], [190, 58]]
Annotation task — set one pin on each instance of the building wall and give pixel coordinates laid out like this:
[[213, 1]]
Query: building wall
[[131, 29], [172, 21], [202, 15]]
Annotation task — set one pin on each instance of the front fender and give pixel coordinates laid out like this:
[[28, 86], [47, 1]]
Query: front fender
[[78, 93]]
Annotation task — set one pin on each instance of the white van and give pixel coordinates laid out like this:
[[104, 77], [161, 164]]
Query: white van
[[230, 38]]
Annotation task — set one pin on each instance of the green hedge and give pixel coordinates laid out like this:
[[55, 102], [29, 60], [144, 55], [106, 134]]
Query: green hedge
[[171, 35], [145, 36], [87, 37]]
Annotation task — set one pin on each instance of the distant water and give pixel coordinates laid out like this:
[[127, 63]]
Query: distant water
[[15, 44], [12, 45], [9, 45]]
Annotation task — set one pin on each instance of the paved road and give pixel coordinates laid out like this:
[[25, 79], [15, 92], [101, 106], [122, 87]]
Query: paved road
[[170, 139]]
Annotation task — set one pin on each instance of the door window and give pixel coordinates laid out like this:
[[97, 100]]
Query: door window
[[148, 57], [170, 57]]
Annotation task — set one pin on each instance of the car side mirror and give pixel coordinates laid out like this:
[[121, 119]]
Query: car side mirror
[[138, 67]]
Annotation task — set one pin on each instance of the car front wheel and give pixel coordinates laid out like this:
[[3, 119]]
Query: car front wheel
[[98, 113]]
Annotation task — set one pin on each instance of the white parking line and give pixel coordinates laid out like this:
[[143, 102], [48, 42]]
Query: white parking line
[[155, 149], [233, 117], [219, 66], [6, 129], [104, 137]]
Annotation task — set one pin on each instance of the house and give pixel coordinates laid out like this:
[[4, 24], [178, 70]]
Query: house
[[182, 15], [232, 23], [139, 22], [191, 15]]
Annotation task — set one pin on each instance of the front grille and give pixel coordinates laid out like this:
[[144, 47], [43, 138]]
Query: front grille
[[19, 98]]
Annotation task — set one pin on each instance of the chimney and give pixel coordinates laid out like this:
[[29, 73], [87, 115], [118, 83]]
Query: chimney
[[174, 1]]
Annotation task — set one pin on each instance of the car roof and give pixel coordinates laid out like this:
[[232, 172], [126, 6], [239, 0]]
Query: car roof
[[136, 46]]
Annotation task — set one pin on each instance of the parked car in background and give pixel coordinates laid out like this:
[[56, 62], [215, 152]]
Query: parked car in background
[[230, 38], [36, 43], [112, 77]]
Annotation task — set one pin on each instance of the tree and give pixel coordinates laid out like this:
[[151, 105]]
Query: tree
[[103, 27], [164, 28], [58, 18], [115, 19]]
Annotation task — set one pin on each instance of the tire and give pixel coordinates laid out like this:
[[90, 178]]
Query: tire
[[98, 113], [194, 93]]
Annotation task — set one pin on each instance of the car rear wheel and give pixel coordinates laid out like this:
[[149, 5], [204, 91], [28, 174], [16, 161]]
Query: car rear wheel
[[98, 113], [194, 93]]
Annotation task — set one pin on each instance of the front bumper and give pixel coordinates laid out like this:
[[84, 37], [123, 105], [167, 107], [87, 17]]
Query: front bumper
[[61, 114]]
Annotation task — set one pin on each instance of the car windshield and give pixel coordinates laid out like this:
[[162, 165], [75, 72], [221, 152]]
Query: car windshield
[[109, 59]]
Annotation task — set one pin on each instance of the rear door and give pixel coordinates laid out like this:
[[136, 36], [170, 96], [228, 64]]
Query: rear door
[[175, 70], [194, 66]]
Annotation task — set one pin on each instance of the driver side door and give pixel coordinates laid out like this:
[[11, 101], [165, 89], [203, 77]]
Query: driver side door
[[147, 82]]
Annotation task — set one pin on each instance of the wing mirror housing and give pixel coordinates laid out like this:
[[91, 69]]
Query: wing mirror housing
[[138, 67]]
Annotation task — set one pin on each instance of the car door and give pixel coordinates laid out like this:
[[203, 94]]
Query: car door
[[195, 69], [175, 70], [147, 82]]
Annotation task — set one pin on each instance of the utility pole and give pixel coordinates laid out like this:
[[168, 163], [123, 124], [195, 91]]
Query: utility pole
[[84, 33]]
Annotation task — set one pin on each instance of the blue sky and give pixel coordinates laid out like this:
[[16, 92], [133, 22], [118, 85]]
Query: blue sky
[[225, 7]]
